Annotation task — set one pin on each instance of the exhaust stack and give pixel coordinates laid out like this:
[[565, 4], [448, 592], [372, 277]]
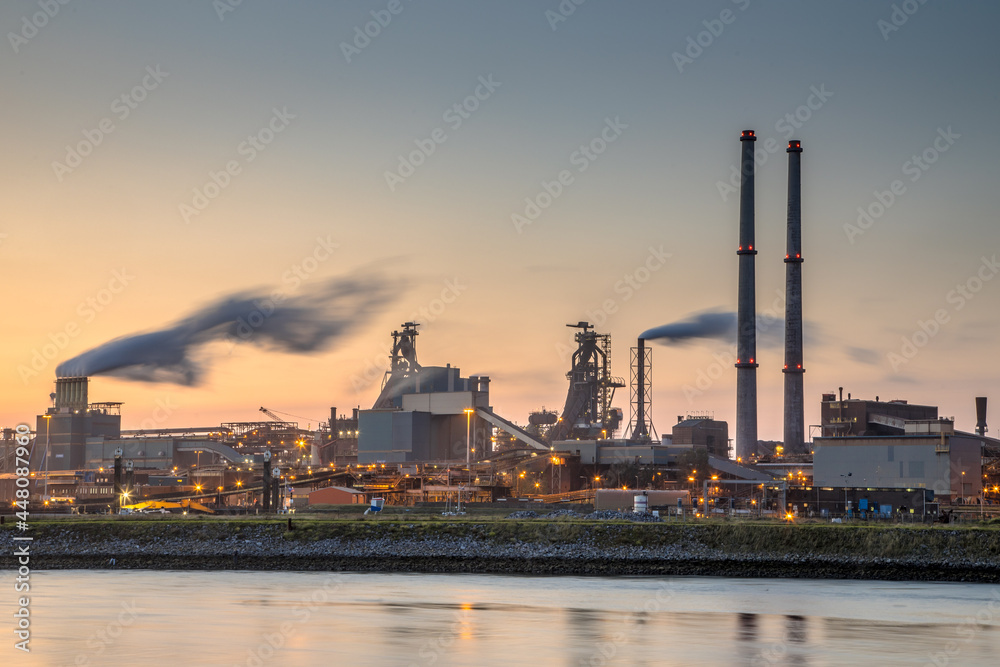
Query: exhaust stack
[[746, 335], [793, 370], [642, 372], [71, 392], [981, 415]]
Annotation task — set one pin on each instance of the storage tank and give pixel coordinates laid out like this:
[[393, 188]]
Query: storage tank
[[641, 503], [623, 500]]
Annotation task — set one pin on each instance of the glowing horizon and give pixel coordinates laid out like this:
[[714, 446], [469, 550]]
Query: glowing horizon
[[510, 178]]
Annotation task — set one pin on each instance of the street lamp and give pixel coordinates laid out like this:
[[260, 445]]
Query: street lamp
[[468, 438], [47, 429], [845, 491]]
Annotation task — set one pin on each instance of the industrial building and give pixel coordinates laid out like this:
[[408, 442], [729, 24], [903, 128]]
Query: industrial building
[[701, 431], [66, 427], [855, 417], [926, 454], [424, 413]]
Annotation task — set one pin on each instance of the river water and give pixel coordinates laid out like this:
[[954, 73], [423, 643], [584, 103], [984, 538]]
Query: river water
[[296, 618]]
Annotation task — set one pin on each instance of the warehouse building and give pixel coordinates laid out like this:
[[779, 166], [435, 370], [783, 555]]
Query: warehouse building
[[927, 454]]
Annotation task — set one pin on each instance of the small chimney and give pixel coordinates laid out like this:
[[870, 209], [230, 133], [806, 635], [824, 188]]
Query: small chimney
[[981, 415], [71, 393]]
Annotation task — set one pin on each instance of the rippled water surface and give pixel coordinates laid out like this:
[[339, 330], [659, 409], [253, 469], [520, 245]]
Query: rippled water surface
[[293, 618]]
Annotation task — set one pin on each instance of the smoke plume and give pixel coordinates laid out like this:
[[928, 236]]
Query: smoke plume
[[721, 325], [306, 322], [709, 324]]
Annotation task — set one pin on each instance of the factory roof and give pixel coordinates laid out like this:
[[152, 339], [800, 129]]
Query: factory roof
[[694, 421]]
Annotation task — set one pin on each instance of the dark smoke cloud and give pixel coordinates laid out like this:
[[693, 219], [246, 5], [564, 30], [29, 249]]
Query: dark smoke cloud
[[709, 324], [306, 322], [721, 325]]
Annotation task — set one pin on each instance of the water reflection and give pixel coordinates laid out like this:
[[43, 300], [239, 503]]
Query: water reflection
[[748, 627], [796, 629], [236, 618]]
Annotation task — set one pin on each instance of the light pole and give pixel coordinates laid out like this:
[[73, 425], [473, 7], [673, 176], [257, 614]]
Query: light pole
[[45, 495], [845, 492], [468, 439], [982, 502]]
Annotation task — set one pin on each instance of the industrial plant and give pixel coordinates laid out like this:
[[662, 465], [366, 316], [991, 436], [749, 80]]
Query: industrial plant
[[431, 435]]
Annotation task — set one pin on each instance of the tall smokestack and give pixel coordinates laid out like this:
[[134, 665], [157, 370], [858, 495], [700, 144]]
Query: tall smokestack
[[794, 412], [639, 431], [981, 415], [746, 335]]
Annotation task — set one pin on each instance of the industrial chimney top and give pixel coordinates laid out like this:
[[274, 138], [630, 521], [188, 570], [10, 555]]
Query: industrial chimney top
[[748, 135], [794, 146]]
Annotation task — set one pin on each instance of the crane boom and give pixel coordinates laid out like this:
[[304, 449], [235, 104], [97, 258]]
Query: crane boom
[[278, 419]]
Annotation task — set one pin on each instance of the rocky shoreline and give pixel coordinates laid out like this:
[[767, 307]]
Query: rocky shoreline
[[478, 548]]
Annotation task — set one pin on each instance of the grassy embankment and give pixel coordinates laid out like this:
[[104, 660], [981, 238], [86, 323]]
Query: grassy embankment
[[976, 541]]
